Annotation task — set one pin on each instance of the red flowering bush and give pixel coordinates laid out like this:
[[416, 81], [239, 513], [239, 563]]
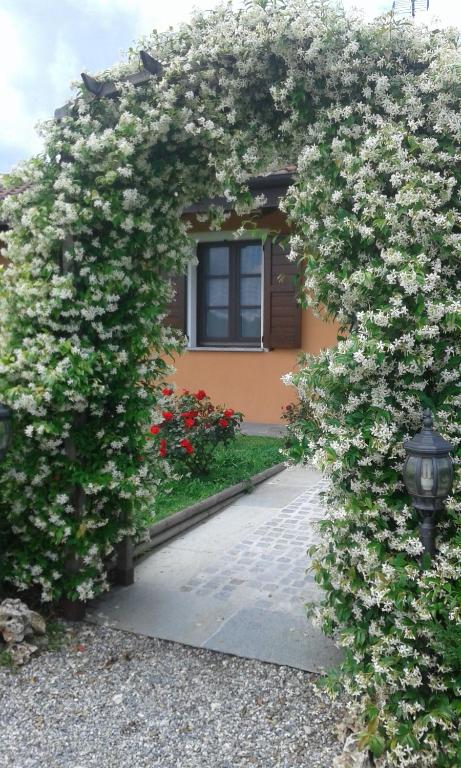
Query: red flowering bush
[[188, 428]]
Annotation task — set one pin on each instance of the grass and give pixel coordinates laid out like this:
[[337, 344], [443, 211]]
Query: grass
[[6, 660], [232, 464]]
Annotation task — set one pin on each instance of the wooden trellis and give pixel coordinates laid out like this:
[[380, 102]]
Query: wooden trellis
[[109, 89], [124, 565]]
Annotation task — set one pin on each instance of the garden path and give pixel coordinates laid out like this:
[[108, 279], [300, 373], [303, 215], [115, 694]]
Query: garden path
[[236, 583]]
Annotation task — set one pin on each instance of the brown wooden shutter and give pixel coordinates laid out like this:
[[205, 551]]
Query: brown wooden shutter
[[282, 313], [177, 311]]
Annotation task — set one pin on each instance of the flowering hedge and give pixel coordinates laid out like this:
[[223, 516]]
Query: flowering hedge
[[378, 202], [371, 115], [188, 429]]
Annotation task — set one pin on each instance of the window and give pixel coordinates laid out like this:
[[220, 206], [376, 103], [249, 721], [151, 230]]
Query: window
[[219, 305], [229, 294]]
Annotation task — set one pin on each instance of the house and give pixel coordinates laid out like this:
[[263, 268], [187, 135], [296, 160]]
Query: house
[[237, 307]]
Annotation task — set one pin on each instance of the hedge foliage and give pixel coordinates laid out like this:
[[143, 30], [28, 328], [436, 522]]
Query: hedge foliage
[[370, 112]]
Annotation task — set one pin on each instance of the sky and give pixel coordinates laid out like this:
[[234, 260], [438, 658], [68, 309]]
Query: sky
[[44, 44]]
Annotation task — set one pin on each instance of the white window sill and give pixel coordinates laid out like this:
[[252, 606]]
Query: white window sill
[[226, 349]]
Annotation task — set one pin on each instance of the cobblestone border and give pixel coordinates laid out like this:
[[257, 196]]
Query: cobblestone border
[[186, 518]]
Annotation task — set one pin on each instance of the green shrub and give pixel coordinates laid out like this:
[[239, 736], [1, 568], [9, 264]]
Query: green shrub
[[189, 428]]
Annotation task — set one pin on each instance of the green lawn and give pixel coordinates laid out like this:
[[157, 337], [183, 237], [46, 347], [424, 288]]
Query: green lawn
[[233, 463]]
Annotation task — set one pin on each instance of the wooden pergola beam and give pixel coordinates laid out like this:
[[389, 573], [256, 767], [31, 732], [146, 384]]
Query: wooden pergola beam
[[109, 89]]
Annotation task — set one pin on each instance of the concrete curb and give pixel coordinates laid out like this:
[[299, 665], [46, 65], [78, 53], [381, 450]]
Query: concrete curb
[[172, 526]]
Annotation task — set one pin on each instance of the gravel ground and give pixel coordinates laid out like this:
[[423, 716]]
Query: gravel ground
[[109, 699]]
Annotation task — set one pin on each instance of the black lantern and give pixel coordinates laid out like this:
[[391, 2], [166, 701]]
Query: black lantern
[[5, 430], [428, 476]]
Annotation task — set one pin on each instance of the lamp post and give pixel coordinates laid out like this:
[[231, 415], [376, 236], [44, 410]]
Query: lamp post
[[428, 476], [5, 430]]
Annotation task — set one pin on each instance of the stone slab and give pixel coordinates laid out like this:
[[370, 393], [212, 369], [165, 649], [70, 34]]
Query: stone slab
[[163, 613], [300, 477], [276, 637], [270, 494], [254, 632], [258, 429]]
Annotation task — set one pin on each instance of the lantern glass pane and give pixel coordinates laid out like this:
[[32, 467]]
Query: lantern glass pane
[[410, 475], [445, 476], [427, 476]]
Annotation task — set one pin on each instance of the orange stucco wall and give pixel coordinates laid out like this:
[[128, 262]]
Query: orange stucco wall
[[250, 381]]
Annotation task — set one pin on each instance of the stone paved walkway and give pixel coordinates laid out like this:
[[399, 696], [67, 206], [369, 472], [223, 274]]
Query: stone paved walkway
[[270, 563], [238, 582]]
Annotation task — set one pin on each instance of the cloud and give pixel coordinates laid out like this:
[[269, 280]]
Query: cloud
[[444, 13], [43, 47], [44, 44], [63, 68], [367, 8], [147, 14], [18, 116]]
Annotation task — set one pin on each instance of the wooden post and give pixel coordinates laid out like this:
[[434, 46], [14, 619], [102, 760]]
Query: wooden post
[[123, 574], [73, 610], [124, 564]]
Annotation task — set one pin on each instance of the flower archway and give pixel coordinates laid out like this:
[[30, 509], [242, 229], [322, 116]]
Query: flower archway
[[370, 115]]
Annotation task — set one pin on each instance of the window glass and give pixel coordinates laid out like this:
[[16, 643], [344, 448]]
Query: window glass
[[445, 475], [217, 260], [250, 323], [250, 259], [217, 323], [250, 290], [217, 292]]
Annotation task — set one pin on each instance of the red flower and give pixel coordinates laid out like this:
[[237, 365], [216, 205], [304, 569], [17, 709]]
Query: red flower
[[229, 412], [189, 419], [167, 391], [200, 394], [162, 449], [167, 415], [223, 423], [184, 443], [155, 429]]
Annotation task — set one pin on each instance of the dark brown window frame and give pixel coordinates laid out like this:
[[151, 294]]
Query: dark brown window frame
[[234, 338]]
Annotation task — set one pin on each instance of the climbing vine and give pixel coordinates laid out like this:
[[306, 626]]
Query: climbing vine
[[370, 115]]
